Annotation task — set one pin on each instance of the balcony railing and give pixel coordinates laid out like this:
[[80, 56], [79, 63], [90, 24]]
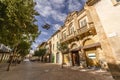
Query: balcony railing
[[89, 28]]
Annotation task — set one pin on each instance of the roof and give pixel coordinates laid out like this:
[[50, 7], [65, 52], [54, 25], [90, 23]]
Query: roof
[[42, 44], [4, 48]]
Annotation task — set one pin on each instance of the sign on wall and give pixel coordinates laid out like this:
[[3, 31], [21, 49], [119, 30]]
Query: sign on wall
[[92, 55]]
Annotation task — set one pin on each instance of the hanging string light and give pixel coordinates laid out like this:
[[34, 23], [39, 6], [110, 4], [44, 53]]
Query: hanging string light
[[45, 25]]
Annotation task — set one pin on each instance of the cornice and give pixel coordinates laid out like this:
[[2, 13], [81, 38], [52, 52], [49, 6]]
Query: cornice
[[91, 2]]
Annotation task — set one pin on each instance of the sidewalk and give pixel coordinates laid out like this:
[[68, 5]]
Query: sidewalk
[[2, 65], [94, 71], [48, 71]]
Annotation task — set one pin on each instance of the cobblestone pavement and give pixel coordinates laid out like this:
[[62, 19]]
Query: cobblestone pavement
[[47, 71]]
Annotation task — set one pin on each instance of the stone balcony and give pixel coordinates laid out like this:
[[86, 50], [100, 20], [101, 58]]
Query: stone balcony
[[89, 29]]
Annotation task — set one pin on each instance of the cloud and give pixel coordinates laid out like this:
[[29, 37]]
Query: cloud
[[51, 8], [45, 39], [34, 46], [38, 41], [53, 12], [57, 26], [58, 1], [60, 17], [74, 5], [44, 33]]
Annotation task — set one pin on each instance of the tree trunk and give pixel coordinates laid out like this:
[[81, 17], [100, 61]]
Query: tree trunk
[[16, 60], [62, 61], [11, 60], [42, 59]]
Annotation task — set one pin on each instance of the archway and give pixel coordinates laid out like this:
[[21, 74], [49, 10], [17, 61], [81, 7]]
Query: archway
[[75, 55]]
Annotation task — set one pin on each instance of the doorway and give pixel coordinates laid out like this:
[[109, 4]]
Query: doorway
[[92, 60], [75, 59], [57, 57]]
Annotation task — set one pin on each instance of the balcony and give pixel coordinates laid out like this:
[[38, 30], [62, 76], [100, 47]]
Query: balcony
[[87, 30]]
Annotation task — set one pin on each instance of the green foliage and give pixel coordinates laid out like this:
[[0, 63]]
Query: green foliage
[[23, 48], [53, 58], [62, 47], [17, 25], [40, 52], [17, 22]]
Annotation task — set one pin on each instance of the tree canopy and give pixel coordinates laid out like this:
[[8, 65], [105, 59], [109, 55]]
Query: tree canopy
[[23, 48], [17, 22], [40, 52]]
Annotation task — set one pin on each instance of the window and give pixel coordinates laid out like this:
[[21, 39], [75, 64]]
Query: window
[[64, 34], [53, 46], [115, 2], [83, 23], [57, 44], [71, 30]]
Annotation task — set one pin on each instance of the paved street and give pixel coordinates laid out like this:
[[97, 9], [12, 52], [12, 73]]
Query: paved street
[[47, 71]]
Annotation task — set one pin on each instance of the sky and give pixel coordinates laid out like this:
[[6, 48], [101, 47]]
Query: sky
[[53, 12]]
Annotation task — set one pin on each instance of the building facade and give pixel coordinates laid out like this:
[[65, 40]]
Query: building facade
[[83, 42], [92, 36], [106, 17], [56, 54]]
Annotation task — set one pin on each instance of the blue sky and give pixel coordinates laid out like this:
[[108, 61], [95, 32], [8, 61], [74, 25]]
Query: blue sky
[[53, 12]]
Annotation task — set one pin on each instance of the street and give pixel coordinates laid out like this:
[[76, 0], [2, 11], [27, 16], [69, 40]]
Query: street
[[49, 71]]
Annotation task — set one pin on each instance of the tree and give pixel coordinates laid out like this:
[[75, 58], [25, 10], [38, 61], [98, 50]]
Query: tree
[[24, 48], [17, 23], [63, 47], [40, 53]]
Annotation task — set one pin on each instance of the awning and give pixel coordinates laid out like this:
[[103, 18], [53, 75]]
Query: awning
[[92, 45], [4, 49]]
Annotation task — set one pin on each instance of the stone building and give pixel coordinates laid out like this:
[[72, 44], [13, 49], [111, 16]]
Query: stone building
[[56, 54], [79, 33], [106, 17], [93, 36]]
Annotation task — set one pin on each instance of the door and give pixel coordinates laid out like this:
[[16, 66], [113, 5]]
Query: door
[[92, 60], [57, 58], [75, 59]]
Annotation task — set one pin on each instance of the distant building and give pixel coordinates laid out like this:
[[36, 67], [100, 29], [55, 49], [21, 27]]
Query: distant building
[[4, 53]]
